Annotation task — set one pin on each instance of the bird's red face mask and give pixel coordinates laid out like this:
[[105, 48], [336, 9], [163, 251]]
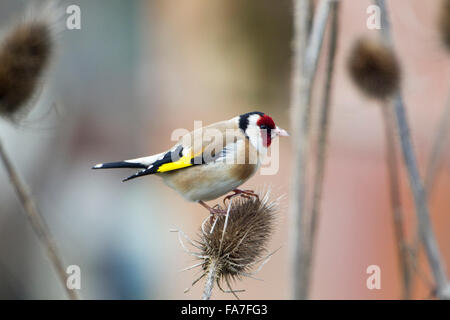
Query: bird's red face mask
[[269, 130], [266, 124]]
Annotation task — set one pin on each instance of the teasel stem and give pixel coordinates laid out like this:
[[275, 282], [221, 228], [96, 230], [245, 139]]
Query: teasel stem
[[394, 194], [306, 56], [417, 187], [433, 166], [322, 139], [299, 117], [423, 216], [37, 221]]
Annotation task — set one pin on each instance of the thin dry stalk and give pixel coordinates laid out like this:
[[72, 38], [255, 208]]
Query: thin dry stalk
[[420, 200], [37, 222], [395, 202], [322, 139], [433, 167], [306, 55], [299, 116], [423, 216]]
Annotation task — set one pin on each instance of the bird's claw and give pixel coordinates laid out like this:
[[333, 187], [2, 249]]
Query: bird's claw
[[242, 193], [216, 212]]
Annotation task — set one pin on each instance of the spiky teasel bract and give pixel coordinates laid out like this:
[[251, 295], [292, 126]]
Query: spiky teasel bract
[[374, 68], [230, 247], [444, 23], [26, 50]]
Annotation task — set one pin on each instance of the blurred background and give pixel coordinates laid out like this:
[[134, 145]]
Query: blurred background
[[139, 69]]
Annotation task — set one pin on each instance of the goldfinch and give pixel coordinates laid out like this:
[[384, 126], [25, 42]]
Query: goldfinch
[[211, 161]]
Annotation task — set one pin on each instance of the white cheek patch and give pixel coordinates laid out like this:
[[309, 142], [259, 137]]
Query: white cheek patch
[[254, 136]]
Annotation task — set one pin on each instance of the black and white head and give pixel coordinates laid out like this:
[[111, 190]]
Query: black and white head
[[260, 129]]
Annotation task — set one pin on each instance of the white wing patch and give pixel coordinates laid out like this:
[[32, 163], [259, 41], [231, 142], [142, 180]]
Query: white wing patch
[[147, 160]]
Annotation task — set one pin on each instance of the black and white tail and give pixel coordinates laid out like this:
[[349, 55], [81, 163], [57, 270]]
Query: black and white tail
[[120, 164], [140, 163]]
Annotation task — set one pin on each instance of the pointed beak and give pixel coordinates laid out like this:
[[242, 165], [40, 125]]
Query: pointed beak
[[281, 132]]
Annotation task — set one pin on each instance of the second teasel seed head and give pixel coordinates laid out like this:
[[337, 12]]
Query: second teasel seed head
[[26, 51], [374, 68]]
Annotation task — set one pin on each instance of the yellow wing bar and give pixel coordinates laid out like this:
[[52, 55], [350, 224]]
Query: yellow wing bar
[[183, 162]]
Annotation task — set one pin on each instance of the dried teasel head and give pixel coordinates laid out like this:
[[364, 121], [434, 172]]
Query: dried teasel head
[[444, 23], [374, 68], [26, 50], [231, 247]]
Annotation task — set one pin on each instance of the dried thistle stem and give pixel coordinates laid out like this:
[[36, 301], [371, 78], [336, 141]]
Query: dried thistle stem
[[394, 193], [323, 137], [417, 187], [37, 221]]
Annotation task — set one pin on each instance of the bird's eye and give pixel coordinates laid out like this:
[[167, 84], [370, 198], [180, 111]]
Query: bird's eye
[[263, 126]]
